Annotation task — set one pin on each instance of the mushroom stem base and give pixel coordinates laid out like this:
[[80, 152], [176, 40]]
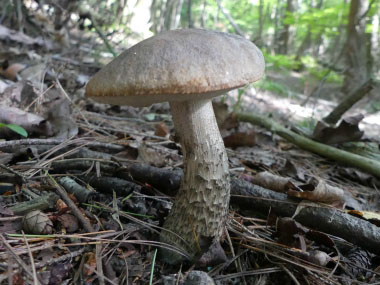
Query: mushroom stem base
[[200, 209]]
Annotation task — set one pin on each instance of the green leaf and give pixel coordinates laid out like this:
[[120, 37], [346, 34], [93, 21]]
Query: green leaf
[[17, 129]]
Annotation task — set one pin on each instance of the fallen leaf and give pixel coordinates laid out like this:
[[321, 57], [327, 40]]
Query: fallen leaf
[[318, 190], [69, 222], [369, 216], [12, 71], [162, 130], [240, 139], [30, 122], [347, 131], [273, 182], [90, 267]]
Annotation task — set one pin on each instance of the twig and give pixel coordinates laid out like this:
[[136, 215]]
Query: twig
[[15, 256], [99, 263], [60, 259], [229, 18], [97, 273], [88, 142], [35, 279], [62, 193], [283, 267]]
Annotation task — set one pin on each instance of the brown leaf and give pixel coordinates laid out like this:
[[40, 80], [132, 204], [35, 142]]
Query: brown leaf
[[318, 190], [291, 232], [162, 130], [273, 182], [11, 72], [240, 139], [90, 267], [348, 130], [69, 222], [61, 206]]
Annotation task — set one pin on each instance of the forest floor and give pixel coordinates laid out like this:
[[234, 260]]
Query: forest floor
[[84, 194]]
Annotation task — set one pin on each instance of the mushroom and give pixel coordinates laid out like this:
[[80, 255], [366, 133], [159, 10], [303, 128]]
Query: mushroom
[[187, 68]]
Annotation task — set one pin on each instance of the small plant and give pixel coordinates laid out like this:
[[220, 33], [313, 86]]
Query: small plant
[[17, 129]]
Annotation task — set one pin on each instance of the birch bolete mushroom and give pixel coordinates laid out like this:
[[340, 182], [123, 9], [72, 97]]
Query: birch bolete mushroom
[[187, 68]]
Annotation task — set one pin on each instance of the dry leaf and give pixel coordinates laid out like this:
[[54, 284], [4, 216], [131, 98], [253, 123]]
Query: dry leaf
[[273, 182], [371, 217], [162, 130], [346, 131], [319, 191], [90, 267], [30, 122], [69, 222], [11, 72], [240, 139]]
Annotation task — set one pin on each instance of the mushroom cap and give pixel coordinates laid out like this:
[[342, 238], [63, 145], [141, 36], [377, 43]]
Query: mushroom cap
[[177, 65]]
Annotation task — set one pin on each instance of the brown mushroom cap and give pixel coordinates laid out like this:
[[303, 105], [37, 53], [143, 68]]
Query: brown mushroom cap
[[178, 65]]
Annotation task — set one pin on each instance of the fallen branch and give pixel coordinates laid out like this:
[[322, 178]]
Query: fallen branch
[[229, 18], [316, 216], [349, 159], [248, 196], [348, 102], [43, 202]]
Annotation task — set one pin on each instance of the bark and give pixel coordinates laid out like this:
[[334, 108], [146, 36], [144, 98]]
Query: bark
[[200, 209], [245, 195], [172, 14], [204, 14], [356, 52], [177, 14], [40, 203], [168, 14], [190, 18], [375, 53], [166, 179], [326, 219], [259, 39], [284, 36], [154, 15], [277, 16], [352, 98]]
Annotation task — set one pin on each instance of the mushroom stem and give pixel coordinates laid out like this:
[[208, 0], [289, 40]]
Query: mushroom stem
[[200, 209]]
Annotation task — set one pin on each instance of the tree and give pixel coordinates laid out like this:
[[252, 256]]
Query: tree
[[355, 50], [284, 36]]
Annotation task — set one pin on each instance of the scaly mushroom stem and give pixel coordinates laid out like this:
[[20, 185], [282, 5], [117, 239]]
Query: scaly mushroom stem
[[200, 210]]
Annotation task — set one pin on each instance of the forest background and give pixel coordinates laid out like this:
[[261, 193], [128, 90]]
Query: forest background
[[314, 49]]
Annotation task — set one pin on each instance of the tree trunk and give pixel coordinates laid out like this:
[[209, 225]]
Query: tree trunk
[[168, 13], [375, 53], [177, 14], [259, 38], [189, 7], [284, 36], [356, 51], [229, 18], [204, 14]]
